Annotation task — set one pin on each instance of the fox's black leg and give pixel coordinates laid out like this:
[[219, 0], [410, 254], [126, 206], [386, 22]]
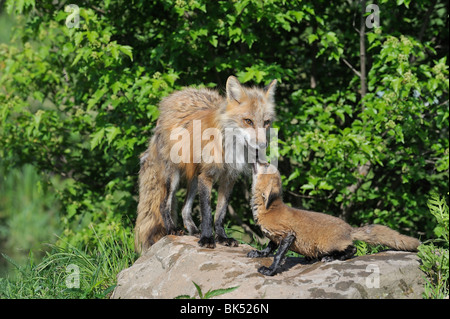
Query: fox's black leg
[[204, 191], [284, 247], [348, 253], [271, 246], [340, 255], [225, 188], [186, 212], [169, 202]]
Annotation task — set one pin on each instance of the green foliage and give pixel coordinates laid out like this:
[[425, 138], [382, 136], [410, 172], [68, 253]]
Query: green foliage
[[209, 294], [363, 248], [439, 209], [80, 113], [435, 255], [378, 156], [80, 103]]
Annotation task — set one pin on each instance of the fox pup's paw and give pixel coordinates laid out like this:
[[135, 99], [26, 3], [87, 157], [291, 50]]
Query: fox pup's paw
[[196, 234], [256, 254], [266, 271], [227, 241], [177, 232], [207, 242]]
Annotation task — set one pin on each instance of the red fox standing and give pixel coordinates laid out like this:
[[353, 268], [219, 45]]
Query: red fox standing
[[197, 112]]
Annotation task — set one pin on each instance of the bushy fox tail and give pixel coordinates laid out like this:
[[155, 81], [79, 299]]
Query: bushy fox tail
[[152, 193], [378, 234]]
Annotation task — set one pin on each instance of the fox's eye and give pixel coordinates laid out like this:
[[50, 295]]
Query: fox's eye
[[266, 123], [248, 121]]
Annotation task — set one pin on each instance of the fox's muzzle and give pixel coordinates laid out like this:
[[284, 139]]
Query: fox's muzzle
[[261, 167]]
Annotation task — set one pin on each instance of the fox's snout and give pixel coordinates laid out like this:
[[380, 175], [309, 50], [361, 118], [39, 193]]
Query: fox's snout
[[256, 138], [263, 167]]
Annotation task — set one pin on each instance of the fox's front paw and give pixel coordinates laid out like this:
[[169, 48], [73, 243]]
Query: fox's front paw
[[207, 242], [266, 271], [227, 241]]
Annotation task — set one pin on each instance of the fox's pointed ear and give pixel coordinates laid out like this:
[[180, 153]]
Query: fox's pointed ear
[[270, 90], [270, 193], [234, 90]]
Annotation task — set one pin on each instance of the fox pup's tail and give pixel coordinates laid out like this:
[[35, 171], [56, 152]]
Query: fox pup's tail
[[378, 234], [152, 193]]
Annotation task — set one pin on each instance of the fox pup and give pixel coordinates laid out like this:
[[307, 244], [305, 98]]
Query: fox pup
[[311, 234], [198, 112]]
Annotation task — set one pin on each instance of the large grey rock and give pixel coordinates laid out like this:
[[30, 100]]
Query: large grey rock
[[168, 269]]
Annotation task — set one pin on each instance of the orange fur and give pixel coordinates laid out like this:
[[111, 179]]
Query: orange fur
[[189, 110], [316, 234]]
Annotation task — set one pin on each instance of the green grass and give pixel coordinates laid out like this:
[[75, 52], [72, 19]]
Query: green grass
[[35, 262], [71, 272], [29, 215], [209, 294]]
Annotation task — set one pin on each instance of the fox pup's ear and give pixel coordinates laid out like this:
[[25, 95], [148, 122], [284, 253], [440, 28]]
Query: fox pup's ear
[[234, 90], [270, 90], [270, 193]]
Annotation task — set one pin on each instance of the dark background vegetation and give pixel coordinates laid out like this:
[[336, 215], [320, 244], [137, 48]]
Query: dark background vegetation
[[362, 112]]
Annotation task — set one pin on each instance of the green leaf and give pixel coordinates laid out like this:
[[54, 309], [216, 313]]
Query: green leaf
[[96, 97], [213, 40], [92, 36], [115, 52], [199, 290], [293, 175], [184, 297], [324, 185], [396, 84], [240, 5], [219, 292], [96, 138], [312, 37], [111, 133], [307, 186], [126, 49], [77, 58], [247, 76]]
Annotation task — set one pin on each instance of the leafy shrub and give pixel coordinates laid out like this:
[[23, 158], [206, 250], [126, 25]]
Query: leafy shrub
[[373, 161], [80, 103], [29, 215]]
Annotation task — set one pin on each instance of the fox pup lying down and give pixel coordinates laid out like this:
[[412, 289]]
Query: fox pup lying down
[[313, 235]]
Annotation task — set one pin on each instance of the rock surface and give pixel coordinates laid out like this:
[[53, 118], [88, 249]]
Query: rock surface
[[169, 267]]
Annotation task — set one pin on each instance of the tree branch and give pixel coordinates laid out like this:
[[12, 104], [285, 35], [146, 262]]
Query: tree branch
[[351, 67], [364, 169], [362, 51], [426, 21]]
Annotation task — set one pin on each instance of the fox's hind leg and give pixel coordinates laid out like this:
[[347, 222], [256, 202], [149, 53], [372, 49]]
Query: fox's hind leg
[[204, 190], [186, 212], [339, 255], [225, 188], [169, 203]]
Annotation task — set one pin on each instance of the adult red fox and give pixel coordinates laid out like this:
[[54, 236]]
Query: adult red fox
[[311, 234], [202, 118]]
